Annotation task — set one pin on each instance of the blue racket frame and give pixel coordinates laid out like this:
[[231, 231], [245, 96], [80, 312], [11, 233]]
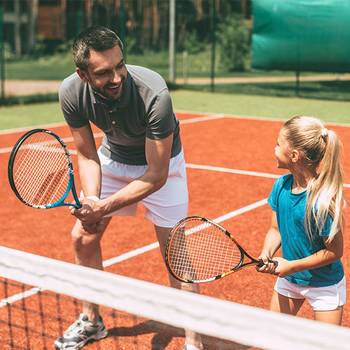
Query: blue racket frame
[[70, 186]]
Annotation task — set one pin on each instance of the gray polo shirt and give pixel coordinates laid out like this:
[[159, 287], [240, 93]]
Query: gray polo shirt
[[144, 110]]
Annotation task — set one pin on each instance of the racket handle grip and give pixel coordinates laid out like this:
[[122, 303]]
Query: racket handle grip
[[261, 263], [77, 205], [274, 262]]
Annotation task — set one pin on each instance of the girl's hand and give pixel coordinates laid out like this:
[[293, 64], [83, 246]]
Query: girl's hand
[[284, 267], [269, 266]]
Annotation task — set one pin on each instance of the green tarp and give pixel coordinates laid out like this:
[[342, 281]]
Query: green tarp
[[301, 35]]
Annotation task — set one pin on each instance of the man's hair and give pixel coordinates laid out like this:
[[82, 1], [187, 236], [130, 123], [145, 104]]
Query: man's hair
[[97, 38]]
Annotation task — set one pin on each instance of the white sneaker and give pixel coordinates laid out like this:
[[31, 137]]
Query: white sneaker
[[80, 332]]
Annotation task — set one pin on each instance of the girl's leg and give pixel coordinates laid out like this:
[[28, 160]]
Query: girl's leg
[[328, 302], [286, 305], [331, 316]]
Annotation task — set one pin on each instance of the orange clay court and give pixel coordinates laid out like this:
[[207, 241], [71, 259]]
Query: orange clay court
[[231, 169]]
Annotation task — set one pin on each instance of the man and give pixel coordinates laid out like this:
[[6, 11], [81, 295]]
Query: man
[[140, 158]]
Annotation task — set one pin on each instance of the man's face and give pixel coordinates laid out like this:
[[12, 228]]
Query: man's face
[[106, 72]]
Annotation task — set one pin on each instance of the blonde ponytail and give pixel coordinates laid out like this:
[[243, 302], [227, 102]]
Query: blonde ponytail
[[321, 150], [325, 192]]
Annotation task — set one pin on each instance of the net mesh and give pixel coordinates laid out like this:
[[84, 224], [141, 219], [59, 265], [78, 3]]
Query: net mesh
[[39, 300], [40, 170], [199, 251]]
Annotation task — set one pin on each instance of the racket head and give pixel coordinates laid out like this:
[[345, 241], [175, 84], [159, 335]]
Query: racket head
[[40, 170], [199, 250]]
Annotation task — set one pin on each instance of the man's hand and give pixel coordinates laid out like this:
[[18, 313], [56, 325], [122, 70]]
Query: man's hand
[[90, 213]]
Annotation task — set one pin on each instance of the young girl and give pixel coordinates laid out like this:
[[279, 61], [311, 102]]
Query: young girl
[[307, 222]]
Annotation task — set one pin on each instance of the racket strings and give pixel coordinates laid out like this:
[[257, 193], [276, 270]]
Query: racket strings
[[41, 173], [45, 171], [202, 251], [37, 172], [42, 189]]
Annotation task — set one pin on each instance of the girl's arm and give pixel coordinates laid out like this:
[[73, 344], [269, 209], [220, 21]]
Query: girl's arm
[[332, 252], [271, 244]]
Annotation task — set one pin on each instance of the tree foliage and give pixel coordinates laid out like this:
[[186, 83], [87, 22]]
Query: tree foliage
[[233, 37]]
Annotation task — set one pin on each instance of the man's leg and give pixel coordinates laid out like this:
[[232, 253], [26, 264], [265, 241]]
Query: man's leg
[[86, 243], [162, 236], [87, 249]]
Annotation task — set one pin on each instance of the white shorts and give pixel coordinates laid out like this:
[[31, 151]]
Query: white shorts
[[164, 207], [320, 298]]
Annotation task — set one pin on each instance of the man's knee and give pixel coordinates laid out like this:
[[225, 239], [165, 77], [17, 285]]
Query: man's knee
[[86, 238]]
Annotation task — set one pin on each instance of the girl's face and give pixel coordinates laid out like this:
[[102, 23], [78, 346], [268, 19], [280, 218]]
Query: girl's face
[[283, 152]]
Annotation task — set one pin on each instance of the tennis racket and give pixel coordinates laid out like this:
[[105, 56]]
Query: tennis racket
[[40, 170], [199, 250]]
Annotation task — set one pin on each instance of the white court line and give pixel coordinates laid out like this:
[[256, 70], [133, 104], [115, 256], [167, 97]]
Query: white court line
[[232, 171], [207, 116], [5, 150], [225, 170], [202, 119], [65, 140], [99, 134], [16, 297], [215, 168], [237, 171], [27, 128], [136, 252], [192, 166]]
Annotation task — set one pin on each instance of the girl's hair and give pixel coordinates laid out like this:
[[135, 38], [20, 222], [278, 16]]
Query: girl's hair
[[320, 149]]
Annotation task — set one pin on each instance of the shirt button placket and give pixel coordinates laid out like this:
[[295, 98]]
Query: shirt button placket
[[110, 115]]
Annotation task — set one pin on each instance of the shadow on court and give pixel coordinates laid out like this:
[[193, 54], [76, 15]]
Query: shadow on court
[[163, 336]]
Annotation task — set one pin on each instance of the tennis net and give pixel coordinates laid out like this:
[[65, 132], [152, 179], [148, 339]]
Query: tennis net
[[40, 297]]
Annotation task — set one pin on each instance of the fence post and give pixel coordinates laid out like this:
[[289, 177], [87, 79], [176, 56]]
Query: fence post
[[2, 54], [213, 45], [122, 25], [172, 53]]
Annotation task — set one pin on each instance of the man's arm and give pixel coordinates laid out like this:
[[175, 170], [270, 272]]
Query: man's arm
[[88, 161], [158, 153], [158, 156]]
